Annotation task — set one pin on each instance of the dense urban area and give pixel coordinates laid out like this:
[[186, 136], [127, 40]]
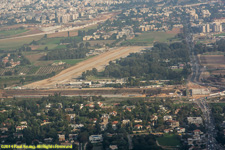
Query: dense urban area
[[112, 74]]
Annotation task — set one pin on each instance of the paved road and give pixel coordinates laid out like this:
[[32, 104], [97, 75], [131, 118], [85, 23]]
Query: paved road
[[211, 142], [130, 141]]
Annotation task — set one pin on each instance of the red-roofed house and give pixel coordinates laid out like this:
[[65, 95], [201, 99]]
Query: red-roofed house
[[19, 128], [138, 126], [166, 130], [114, 125], [197, 132], [114, 113]]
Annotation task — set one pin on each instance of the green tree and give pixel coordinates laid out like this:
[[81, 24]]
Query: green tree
[[83, 137]]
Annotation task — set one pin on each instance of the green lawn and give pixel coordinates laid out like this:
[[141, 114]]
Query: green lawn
[[7, 33], [151, 37], [168, 140]]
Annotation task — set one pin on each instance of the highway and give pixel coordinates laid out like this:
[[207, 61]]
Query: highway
[[211, 143]]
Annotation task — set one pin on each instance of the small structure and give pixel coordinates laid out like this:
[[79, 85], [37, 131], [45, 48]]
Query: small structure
[[61, 137], [96, 138], [200, 91], [194, 120]]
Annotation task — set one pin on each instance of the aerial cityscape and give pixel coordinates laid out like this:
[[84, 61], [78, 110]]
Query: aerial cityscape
[[112, 74]]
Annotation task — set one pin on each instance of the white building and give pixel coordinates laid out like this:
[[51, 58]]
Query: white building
[[194, 120], [96, 138]]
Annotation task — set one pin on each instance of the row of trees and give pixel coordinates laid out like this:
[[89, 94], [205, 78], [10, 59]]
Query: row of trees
[[217, 46]]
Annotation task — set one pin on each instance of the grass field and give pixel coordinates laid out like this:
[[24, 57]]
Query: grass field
[[151, 37], [7, 44], [53, 43], [7, 33], [168, 140]]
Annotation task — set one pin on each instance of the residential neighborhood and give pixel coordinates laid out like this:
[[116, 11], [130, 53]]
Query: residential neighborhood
[[93, 120]]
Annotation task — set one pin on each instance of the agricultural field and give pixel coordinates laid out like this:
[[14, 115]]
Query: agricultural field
[[151, 37], [10, 44], [49, 69], [33, 56], [29, 73], [213, 61], [215, 65], [20, 70], [11, 32], [168, 140]]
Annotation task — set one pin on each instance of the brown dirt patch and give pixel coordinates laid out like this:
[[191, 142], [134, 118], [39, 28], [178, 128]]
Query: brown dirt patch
[[192, 85], [34, 47], [34, 57], [43, 63], [174, 31]]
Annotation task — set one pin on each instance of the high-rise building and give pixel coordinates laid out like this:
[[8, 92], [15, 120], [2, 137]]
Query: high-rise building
[[203, 29], [207, 28], [217, 27], [221, 28]]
